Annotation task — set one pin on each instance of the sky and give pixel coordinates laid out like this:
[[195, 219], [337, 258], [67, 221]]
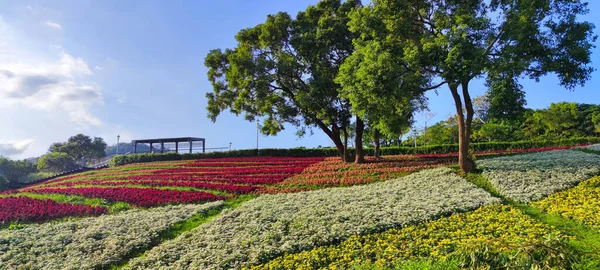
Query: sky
[[136, 69]]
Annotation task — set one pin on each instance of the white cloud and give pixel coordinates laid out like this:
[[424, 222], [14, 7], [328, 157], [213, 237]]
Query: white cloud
[[53, 25], [52, 86], [99, 68], [122, 99], [111, 62], [12, 148]]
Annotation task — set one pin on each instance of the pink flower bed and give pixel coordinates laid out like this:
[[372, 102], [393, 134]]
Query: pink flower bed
[[143, 197], [18, 209]]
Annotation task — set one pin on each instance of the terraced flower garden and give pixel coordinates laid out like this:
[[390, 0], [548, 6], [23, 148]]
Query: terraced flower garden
[[405, 211]]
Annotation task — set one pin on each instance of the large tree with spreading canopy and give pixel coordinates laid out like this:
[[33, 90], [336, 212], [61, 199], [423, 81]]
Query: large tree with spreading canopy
[[453, 42], [283, 71]]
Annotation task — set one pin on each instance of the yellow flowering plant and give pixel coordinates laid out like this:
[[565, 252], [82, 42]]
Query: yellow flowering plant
[[489, 237]]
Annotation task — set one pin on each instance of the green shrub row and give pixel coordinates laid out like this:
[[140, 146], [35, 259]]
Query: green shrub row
[[331, 152]]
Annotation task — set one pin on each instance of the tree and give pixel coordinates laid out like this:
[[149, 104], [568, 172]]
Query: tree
[[81, 147], [562, 120], [481, 107], [382, 95], [56, 162], [283, 72], [454, 42], [13, 170], [506, 99], [3, 182]]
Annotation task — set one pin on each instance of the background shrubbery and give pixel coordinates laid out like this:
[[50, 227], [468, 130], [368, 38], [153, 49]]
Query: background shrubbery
[[331, 152]]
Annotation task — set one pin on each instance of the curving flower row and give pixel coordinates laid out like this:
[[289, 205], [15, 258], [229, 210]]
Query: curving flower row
[[498, 229], [91, 243], [580, 203], [23, 209], [531, 177], [271, 225], [143, 197]]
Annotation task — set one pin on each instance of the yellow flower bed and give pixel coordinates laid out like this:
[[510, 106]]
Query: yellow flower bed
[[495, 228], [581, 203]]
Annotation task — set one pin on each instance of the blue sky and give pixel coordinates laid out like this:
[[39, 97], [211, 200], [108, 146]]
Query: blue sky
[[136, 68]]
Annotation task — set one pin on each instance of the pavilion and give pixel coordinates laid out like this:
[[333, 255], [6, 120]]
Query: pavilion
[[189, 140]]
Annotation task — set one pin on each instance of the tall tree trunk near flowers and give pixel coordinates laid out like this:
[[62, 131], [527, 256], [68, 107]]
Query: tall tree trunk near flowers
[[360, 152], [377, 143], [464, 126]]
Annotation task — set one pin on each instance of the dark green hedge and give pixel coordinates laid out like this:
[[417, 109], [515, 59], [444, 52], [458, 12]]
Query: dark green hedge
[[330, 152]]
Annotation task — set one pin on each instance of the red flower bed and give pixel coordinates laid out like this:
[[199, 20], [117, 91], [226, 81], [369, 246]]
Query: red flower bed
[[238, 189], [143, 197], [18, 209], [333, 172]]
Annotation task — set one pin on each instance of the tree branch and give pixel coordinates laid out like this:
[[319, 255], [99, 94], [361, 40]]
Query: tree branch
[[435, 86], [491, 45]]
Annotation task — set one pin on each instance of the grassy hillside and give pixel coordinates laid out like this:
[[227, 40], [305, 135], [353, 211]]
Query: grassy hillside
[[405, 211]]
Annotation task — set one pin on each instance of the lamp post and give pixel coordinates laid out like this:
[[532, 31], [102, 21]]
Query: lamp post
[[229, 146], [257, 128], [118, 137]]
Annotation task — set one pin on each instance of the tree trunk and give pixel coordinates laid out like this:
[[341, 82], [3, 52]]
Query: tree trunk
[[360, 153], [346, 157], [464, 126], [334, 135], [377, 143]]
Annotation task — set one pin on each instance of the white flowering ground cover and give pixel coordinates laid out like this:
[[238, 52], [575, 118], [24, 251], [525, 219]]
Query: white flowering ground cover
[[595, 147], [90, 243], [272, 225], [531, 177]]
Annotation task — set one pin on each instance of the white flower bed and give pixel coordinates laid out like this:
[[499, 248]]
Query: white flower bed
[[595, 147], [534, 176], [271, 225], [89, 243]]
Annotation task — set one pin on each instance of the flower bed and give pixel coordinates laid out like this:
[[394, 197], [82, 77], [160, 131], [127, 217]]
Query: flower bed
[[532, 177], [580, 203], [23, 209], [272, 225], [496, 228], [154, 184], [143, 197], [90, 243], [595, 147], [332, 172]]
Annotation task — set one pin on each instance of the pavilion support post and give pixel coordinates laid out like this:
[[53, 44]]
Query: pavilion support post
[[203, 146], [151, 149], [190, 141], [135, 147], [162, 147], [177, 147]]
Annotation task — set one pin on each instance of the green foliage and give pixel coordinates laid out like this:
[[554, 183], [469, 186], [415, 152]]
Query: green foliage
[[498, 131], [454, 42], [80, 147], [13, 170], [330, 152], [3, 182], [506, 99], [283, 71], [56, 162], [562, 120]]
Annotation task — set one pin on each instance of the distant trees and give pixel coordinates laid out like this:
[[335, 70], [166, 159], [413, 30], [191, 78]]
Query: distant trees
[[80, 147], [56, 162], [559, 121], [15, 169], [3, 182]]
